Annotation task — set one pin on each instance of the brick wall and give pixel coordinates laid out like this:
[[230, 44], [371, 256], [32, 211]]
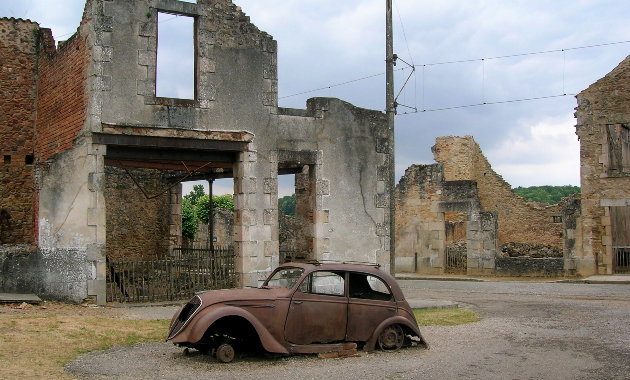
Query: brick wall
[[18, 91], [519, 220], [62, 93]]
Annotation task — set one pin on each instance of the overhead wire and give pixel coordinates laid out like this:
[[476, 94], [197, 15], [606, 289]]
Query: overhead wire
[[424, 65]]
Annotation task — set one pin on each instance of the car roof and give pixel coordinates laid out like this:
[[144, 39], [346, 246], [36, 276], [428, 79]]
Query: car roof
[[374, 269]]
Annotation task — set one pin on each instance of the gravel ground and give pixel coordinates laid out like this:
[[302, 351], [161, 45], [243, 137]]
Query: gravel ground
[[529, 331]]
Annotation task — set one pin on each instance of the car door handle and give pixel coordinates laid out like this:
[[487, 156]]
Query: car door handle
[[391, 308], [297, 302]]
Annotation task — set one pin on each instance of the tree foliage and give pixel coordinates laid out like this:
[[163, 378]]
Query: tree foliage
[[218, 201], [548, 194], [196, 194], [189, 225], [286, 205]]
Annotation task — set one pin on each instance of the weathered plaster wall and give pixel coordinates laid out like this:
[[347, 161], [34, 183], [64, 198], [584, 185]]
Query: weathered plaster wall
[[18, 93], [602, 106], [109, 66]]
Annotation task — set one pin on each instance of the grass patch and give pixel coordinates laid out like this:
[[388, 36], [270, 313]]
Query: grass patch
[[39, 346], [445, 317]]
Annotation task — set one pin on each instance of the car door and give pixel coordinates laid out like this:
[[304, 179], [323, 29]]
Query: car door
[[318, 311], [370, 301]]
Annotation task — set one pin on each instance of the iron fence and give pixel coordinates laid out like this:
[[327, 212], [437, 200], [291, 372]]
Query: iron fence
[[170, 277], [456, 261], [622, 259]]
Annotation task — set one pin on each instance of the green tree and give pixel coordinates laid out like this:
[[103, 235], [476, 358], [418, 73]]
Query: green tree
[[286, 205], [218, 201], [196, 194], [548, 194], [189, 225]]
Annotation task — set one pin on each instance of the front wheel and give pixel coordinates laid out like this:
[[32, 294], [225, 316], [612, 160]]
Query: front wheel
[[391, 338], [225, 353]]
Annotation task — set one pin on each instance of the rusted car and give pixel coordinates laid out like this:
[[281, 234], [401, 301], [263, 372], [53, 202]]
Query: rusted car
[[303, 307]]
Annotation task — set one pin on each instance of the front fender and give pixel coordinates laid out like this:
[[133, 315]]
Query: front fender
[[202, 321], [397, 320]]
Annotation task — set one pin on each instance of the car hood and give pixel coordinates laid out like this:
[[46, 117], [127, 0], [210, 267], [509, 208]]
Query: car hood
[[236, 295]]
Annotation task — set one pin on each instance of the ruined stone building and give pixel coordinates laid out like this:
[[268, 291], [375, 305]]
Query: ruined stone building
[[603, 128], [461, 204], [92, 157]]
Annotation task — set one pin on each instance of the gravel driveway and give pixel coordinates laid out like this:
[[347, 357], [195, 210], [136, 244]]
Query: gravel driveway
[[529, 331]]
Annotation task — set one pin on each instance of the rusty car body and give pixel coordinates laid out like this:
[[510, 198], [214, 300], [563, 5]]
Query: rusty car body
[[303, 307]]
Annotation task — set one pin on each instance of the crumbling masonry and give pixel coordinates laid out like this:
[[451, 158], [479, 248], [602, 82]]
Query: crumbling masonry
[[461, 202], [91, 157]]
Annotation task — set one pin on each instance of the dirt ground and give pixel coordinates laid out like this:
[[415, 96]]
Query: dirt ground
[[529, 331]]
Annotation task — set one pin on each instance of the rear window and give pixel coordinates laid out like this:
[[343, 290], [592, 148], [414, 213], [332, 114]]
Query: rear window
[[366, 286]]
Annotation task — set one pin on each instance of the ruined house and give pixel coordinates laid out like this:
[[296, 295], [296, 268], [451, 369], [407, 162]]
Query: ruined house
[[603, 128], [457, 214], [460, 208], [93, 158]]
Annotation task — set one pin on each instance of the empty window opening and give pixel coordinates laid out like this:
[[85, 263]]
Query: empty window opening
[[175, 71], [28, 159], [286, 216], [7, 159]]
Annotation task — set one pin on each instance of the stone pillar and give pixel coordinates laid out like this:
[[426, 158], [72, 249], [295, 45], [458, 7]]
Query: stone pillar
[[482, 244], [175, 217], [96, 218]]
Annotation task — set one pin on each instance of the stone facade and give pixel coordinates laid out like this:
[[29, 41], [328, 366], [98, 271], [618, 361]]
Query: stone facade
[[92, 122], [462, 202], [603, 128]]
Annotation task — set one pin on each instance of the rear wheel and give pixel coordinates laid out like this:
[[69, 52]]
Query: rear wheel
[[391, 338]]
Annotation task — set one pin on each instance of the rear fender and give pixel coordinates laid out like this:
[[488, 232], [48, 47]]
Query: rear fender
[[397, 320], [200, 324]]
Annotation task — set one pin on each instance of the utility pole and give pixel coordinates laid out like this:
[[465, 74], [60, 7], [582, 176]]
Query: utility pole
[[390, 111]]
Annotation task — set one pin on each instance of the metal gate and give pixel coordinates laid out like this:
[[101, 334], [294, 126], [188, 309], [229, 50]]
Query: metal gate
[[170, 277], [620, 223], [456, 261]]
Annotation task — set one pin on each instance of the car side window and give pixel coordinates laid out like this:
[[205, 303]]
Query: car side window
[[365, 286], [324, 282]]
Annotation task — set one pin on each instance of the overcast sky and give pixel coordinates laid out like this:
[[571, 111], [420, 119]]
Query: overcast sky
[[326, 42]]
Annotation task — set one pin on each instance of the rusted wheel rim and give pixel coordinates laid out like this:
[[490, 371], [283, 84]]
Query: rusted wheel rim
[[391, 338], [225, 353]]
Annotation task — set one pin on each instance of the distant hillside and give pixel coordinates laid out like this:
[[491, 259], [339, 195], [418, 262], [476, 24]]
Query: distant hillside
[[548, 194]]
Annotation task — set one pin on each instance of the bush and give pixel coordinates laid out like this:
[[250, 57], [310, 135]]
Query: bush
[[189, 220]]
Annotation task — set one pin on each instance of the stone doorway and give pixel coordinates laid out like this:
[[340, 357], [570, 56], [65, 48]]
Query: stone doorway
[[620, 225]]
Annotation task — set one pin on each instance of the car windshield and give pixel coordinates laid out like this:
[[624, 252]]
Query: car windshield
[[284, 277]]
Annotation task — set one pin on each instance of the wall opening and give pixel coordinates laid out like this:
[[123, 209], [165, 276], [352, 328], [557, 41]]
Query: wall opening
[[200, 227], [620, 224], [175, 69], [455, 236], [286, 217]]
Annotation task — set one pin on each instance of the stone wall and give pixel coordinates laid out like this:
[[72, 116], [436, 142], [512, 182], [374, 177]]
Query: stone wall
[[138, 223], [98, 109], [462, 202], [18, 93], [520, 220], [603, 119], [529, 267]]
